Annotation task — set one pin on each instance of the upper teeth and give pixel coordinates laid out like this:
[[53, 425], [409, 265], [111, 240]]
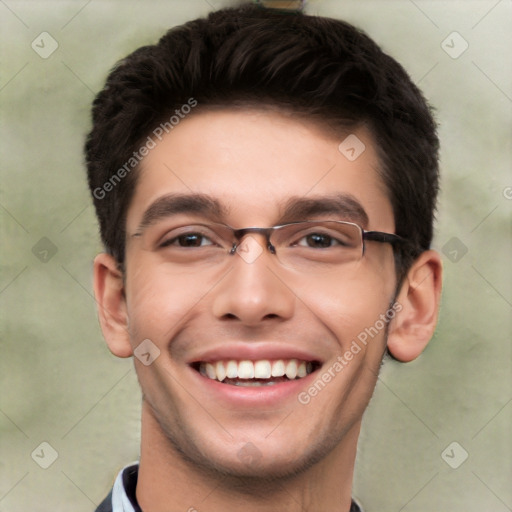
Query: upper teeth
[[262, 369]]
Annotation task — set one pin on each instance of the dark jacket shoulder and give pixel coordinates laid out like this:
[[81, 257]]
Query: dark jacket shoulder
[[106, 504]]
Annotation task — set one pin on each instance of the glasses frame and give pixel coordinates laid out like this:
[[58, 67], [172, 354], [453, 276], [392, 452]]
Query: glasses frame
[[373, 236]]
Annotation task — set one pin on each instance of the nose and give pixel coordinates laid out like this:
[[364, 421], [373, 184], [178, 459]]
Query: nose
[[253, 292]]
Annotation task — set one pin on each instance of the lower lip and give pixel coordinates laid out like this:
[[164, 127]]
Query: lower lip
[[253, 395]]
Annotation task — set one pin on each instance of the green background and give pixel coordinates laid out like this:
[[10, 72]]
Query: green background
[[59, 383]]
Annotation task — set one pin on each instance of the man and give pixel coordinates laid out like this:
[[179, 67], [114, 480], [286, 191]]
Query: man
[[265, 184]]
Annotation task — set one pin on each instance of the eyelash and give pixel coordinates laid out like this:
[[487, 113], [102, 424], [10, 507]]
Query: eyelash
[[172, 241]]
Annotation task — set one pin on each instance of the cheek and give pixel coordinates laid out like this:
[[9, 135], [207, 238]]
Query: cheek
[[349, 306], [158, 303]]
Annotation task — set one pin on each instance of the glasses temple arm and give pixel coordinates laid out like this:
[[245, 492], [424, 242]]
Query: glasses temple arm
[[389, 238]]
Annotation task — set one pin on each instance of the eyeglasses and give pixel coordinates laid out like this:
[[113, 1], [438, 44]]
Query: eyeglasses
[[310, 246]]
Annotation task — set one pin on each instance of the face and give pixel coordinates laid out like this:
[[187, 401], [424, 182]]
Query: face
[[247, 312]]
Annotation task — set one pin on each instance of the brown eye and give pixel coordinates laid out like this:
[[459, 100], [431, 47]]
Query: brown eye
[[192, 240], [319, 241], [188, 240]]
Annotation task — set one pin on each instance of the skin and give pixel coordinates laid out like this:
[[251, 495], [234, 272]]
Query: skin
[[252, 162]]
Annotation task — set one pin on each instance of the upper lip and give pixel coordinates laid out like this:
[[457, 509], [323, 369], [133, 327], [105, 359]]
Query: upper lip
[[254, 351]]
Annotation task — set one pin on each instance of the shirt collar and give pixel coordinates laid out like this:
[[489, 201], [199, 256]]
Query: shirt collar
[[123, 492]]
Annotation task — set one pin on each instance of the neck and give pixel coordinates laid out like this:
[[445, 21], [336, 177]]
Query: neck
[[168, 482]]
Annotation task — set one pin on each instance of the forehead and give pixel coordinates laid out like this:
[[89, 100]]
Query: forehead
[[255, 163]]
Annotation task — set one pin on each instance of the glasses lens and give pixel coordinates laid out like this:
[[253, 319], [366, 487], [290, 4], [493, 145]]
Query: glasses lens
[[197, 244], [318, 246]]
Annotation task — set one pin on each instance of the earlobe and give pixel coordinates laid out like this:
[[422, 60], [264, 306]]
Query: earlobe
[[109, 293], [419, 297]]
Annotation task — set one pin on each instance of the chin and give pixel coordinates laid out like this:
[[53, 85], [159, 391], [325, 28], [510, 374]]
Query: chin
[[246, 465], [265, 459]]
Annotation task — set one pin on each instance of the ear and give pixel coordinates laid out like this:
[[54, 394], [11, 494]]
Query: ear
[[419, 298], [110, 296]]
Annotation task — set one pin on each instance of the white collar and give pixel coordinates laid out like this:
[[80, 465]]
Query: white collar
[[120, 501]]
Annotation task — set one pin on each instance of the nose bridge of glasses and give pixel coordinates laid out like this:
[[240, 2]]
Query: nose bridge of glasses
[[265, 232]]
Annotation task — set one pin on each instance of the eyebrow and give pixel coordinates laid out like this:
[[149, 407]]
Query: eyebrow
[[173, 204], [344, 206]]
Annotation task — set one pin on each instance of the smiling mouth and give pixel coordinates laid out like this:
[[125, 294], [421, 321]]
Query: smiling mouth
[[256, 373]]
